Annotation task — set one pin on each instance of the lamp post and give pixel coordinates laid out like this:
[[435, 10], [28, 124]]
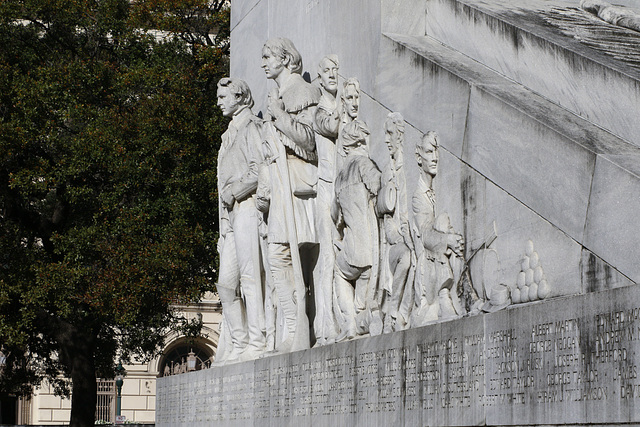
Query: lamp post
[[191, 361], [119, 381]]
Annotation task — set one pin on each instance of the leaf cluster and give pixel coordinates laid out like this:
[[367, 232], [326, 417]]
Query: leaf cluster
[[108, 141]]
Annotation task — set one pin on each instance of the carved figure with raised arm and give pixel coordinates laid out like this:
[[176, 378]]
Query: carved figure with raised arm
[[398, 244], [289, 196], [239, 282], [436, 242], [327, 121], [356, 187]]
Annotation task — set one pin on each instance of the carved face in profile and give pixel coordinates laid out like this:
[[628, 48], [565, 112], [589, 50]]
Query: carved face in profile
[[228, 101], [427, 154], [328, 72], [392, 137], [351, 99], [271, 64]]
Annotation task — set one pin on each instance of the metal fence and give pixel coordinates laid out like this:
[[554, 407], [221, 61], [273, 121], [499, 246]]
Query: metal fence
[[106, 405]]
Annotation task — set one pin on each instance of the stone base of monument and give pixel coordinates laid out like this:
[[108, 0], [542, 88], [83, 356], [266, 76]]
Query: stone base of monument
[[571, 360]]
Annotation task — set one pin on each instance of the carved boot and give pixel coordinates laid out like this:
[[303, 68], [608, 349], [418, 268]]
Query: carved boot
[[235, 316], [344, 297], [447, 310], [255, 320]]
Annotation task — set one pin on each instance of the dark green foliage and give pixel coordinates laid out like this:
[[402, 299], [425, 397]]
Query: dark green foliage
[[108, 207]]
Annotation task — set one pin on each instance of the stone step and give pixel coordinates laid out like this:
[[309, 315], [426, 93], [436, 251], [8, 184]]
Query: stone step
[[583, 180], [558, 50]]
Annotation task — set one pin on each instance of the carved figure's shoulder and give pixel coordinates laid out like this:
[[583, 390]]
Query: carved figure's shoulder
[[300, 95]]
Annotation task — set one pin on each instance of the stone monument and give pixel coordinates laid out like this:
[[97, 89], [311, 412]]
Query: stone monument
[[467, 257]]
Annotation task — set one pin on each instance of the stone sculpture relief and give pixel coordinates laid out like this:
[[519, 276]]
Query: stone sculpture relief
[[290, 193], [397, 252], [615, 15], [239, 283], [437, 244], [327, 123], [532, 283], [357, 185], [306, 213]]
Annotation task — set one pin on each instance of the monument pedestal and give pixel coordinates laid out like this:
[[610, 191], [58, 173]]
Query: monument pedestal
[[571, 360]]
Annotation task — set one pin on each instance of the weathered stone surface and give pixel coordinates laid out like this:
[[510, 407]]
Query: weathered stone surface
[[565, 361], [513, 38], [612, 228]]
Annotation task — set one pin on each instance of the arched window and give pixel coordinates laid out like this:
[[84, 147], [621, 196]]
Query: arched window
[[184, 356]]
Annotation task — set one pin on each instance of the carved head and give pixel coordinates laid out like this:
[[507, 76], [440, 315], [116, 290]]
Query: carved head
[[279, 53], [394, 132], [427, 153], [328, 73], [232, 95], [355, 134], [351, 97]]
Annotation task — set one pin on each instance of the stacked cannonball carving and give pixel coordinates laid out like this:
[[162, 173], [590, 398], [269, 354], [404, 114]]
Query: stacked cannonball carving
[[532, 284]]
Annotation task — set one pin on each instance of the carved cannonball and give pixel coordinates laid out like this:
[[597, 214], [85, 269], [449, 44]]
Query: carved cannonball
[[526, 263], [534, 260], [538, 274], [544, 289], [533, 292], [524, 294], [515, 296], [522, 279], [529, 276], [529, 249]]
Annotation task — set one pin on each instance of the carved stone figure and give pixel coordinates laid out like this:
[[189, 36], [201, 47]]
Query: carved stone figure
[[436, 243], [289, 197], [616, 15], [398, 245], [356, 187], [327, 121], [350, 103], [239, 284]]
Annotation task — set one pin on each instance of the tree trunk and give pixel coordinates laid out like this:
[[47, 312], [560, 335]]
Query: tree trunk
[[77, 353], [84, 386]]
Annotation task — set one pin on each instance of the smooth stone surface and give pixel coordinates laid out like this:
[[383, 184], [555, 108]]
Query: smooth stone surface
[[613, 228], [247, 39], [541, 168]]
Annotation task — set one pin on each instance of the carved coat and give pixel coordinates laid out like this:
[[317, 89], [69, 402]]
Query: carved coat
[[327, 121], [295, 131], [433, 265], [356, 186], [396, 227], [238, 160]]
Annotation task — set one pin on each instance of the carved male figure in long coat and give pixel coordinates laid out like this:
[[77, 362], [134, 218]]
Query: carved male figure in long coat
[[327, 121], [290, 149], [238, 160]]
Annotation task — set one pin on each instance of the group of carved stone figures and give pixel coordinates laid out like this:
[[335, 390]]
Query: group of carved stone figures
[[310, 228]]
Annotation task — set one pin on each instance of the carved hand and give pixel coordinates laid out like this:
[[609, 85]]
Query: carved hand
[[275, 105], [227, 197]]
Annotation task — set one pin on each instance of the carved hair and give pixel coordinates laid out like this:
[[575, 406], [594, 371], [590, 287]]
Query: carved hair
[[355, 132], [332, 57], [396, 119], [283, 48], [239, 88], [429, 138], [351, 81]]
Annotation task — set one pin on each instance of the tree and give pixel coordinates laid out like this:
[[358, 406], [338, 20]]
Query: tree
[[108, 208]]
